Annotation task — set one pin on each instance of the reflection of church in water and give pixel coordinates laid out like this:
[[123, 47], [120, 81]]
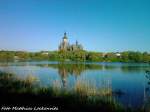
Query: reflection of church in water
[[66, 46], [65, 71]]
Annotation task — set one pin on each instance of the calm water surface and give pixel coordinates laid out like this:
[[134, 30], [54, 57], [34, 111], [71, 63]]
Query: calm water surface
[[129, 81]]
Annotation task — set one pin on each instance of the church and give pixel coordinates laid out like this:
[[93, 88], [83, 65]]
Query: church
[[65, 46]]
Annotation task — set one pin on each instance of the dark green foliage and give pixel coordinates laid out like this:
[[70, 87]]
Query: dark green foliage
[[81, 55], [94, 56], [6, 56], [111, 57], [131, 56]]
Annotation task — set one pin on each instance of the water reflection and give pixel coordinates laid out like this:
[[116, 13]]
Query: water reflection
[[147, 91], [64, 70], [125, 81]]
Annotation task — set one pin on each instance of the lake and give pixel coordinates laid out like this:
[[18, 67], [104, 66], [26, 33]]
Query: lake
[[129, 82]]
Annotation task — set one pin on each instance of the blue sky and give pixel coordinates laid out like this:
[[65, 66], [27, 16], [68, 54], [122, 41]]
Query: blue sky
[[99, 25]]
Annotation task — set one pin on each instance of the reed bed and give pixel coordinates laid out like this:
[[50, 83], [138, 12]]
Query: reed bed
[[84, 94]]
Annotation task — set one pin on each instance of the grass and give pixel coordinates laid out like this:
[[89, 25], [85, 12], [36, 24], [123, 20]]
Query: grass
[[84, 97], [87, 88]]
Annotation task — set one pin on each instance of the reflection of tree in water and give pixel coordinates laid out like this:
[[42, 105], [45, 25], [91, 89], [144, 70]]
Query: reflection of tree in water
[[75, 69], [147, 75], [133, 69], [147, 91]]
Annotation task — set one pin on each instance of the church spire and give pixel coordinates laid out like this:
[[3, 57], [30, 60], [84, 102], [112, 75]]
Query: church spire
[[65, 36], [76, 42]]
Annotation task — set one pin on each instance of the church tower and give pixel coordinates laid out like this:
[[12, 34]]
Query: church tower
[[64, 45], [65, 39]]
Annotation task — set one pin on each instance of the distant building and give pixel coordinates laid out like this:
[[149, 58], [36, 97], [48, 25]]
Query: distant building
[[16, 58], [118, 54], [45, 53], [104, 55], [65, 46]]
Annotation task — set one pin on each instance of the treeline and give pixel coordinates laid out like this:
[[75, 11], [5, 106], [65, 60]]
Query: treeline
[[127, 56]]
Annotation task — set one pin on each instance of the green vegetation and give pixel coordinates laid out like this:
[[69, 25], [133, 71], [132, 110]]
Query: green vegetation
[[127, 56]]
